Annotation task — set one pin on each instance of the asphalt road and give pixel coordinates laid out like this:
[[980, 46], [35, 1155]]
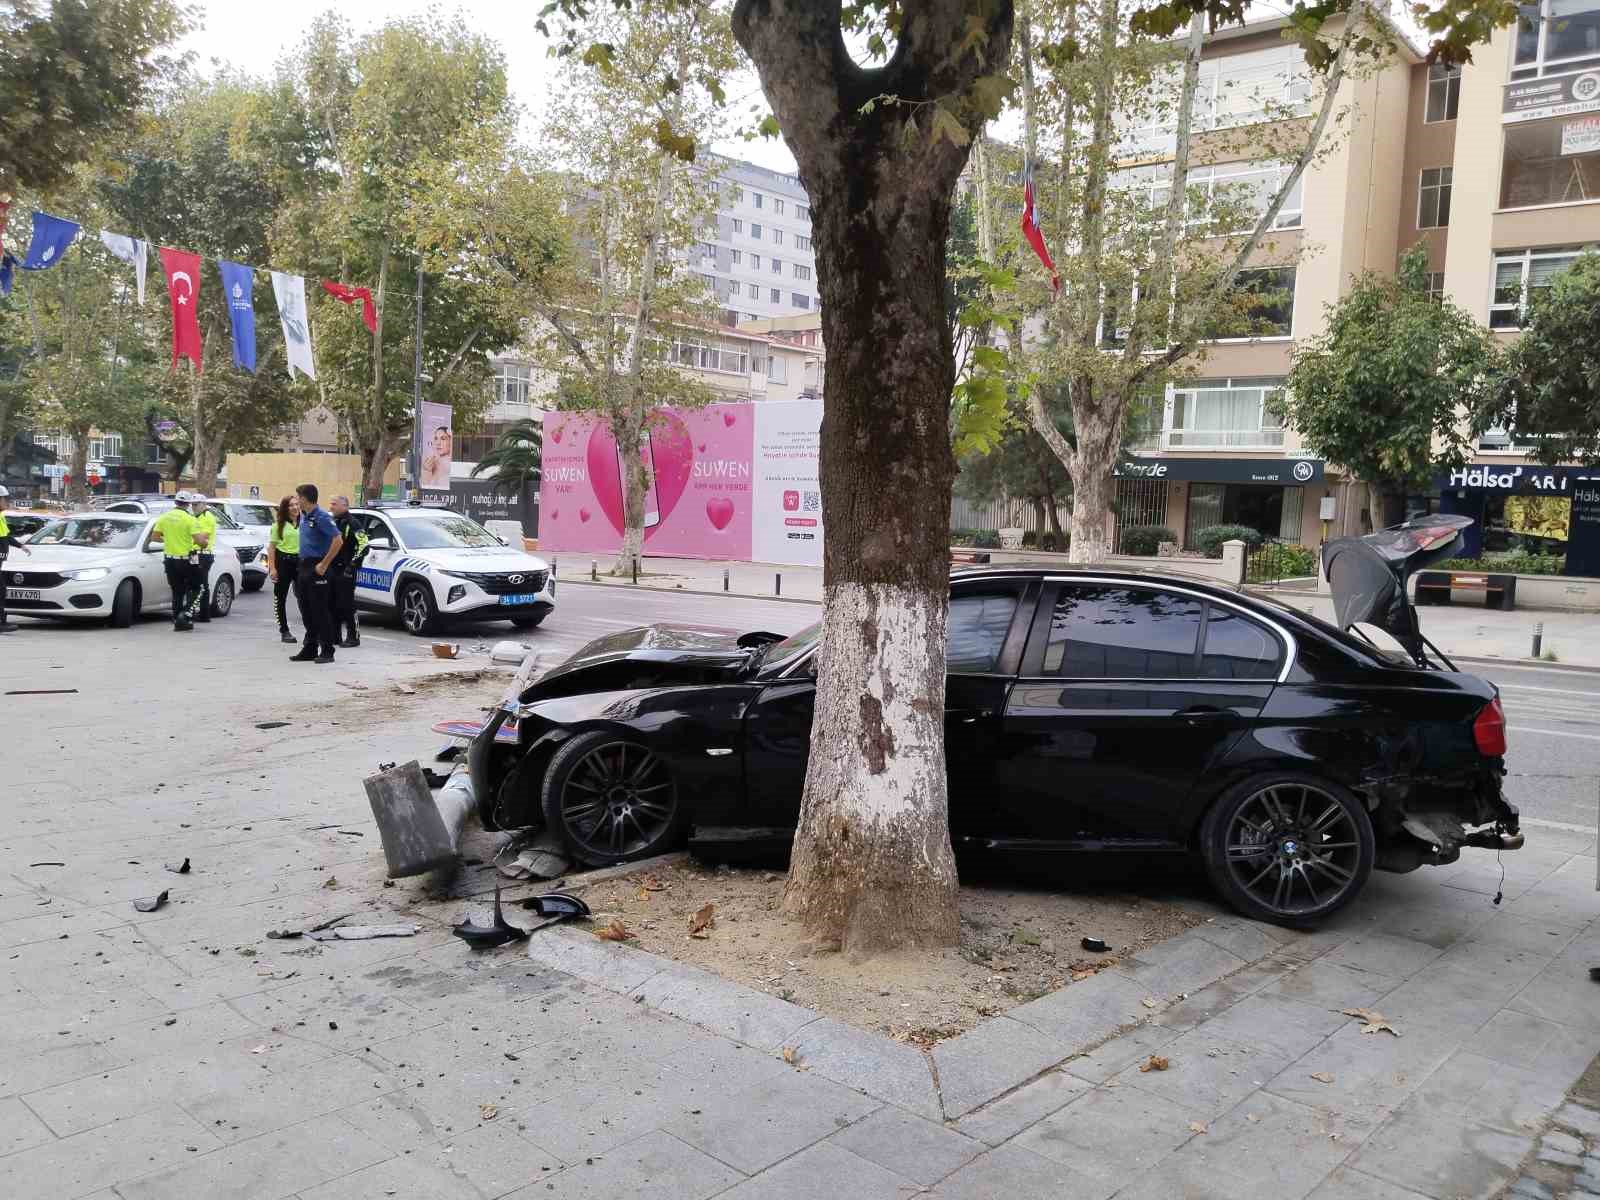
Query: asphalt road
[[1553, 714]]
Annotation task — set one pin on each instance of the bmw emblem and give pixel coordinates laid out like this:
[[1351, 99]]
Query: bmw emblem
[[513, 578]]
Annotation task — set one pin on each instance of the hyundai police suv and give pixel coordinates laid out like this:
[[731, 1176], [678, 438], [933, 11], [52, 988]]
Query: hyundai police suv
[[431, 566]]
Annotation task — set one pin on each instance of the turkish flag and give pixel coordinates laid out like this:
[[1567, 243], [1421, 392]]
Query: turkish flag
[[183, 290], [349, 295]]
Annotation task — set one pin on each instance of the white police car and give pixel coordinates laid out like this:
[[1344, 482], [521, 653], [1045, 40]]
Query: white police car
[[432, 565]]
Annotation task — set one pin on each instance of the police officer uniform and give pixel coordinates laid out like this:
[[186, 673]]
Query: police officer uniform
[[175, 529], [206, 523], [286, 562], [343, 572], [314, 588], [7, 541]]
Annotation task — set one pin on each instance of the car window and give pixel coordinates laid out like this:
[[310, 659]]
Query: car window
[[784, 653], [125, 507], [1103, 631], [444, 533], [247, 514], [976, 631], [377, 527], [99, 533], [1237, 648]]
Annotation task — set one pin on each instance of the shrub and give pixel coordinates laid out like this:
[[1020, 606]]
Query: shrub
[[1209, 540], [1145, 539], [978, 539], [1033, 539], [1281, 561], [1508, 564]]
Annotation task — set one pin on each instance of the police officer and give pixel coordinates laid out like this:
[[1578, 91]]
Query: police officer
[[319, 545], [345, 565], [8, 540], [175, 530], [206, 541]]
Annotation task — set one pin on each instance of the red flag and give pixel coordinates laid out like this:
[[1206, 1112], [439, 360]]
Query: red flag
[[183, 290], [1031, 230], [369, 311]]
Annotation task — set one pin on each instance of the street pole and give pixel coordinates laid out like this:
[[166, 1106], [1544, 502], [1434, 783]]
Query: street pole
[[415, 456]]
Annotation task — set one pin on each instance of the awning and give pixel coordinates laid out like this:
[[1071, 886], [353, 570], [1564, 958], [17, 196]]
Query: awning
[[1289, 472]]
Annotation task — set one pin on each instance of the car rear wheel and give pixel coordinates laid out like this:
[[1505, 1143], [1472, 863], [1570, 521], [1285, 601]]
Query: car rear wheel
[[125, 604], [1291, 849], [222, 597], [417, 611], [612, 799]]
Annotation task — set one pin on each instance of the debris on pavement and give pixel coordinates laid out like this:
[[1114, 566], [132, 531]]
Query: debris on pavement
[[509, 652], [277, 934], [362, 933], [352, 685], [488, 1112], [489, 936], [555, 907], [1150, 1002], [1322, 1076], [331, 883], [421, 831], [616, 931], [435, 779], [47, 864], [1371, 1022], [45, 692], [1197, 1127], [446, 649], [702, 920], [352, 833], [181, 869], [150, 903], [1154, 1063], [791, 1056], [272, 725], [405, 689], [544, 857], [1094, 945]]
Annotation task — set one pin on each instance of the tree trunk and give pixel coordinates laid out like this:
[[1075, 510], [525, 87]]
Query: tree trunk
[[78, 467], [207, 443], [872, 866], [1389, 506], [1093, 486], [375, 461]]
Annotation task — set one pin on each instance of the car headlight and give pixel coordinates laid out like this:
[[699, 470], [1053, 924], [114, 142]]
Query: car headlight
[[85, 574]]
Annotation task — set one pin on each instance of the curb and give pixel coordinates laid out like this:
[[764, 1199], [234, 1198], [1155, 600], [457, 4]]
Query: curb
[[677, 591], [1526, 664]]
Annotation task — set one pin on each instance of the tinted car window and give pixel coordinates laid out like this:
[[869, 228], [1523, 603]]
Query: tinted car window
[[976, 631], [1238, 648], [1102, 631], [247, 514]]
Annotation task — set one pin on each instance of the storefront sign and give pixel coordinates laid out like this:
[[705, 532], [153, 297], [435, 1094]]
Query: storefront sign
[[1535, 99], [1289, 472], [1581, 136], [1548, 510]]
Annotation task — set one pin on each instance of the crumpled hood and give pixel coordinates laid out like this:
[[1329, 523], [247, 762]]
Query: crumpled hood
[[1368, 575], [648, 656]]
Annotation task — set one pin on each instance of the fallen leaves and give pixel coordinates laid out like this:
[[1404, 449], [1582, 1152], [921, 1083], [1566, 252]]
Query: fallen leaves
[[488, 1112], [1150, 1002], [1371, 1021], [1322, 1077], [792, 1056], [332, 882], [1197, 1127], [616, 931], [1154, 1063], [702, 920]]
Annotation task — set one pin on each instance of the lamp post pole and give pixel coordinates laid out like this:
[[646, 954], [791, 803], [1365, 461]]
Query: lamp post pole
[[415, 456]]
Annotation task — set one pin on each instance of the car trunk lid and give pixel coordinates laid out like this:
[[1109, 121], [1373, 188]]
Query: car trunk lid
[[1368, 575]]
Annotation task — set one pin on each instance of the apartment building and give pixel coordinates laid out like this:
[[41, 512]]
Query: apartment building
[[756, 256], [1494, 166]]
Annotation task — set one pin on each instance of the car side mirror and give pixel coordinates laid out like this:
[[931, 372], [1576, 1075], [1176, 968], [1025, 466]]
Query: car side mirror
[[379, 543], [153, 547]]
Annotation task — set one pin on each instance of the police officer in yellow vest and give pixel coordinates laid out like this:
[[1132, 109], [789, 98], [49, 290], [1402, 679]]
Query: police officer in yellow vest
[[8, 541], [206, 539], [176, 530]]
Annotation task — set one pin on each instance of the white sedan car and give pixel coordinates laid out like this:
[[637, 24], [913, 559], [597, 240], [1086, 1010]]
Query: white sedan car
[[103, 565]]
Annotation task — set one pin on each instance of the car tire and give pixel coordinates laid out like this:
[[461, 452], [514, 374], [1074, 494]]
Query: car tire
[[529, 622], [222, 597], [124, 605], [418, 613], [253, 583], [637, 807], [1288, 848]]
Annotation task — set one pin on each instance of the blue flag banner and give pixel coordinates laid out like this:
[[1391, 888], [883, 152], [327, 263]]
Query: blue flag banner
[[51, 237], [238, 283]]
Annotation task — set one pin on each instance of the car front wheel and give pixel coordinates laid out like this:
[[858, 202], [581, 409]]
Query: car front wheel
[[417, 611], [125, 604], [612, 799], [1291, 849], [222, 597]]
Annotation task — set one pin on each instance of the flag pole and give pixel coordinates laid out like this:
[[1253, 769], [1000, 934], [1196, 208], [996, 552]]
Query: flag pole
[[416, 399]]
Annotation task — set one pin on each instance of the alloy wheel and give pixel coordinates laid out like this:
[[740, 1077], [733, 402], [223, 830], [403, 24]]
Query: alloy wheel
[[414, 609], [618, 799], [1293, 848]]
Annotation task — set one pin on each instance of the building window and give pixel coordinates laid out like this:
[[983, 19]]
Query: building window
[[738, 225], [755, 290], [801, 272], [755, 262], [1435, 285], [738, 257], [1555, 37], [1225, 414], [1233, 91], [738, 193], [1249, 186], [1264, 305], [755, 199], [777, 368], [755, 232], [803, 211], [103, 446], [802, 243], [800, 301], [1433, 198], [512, 380], [1444, 93], [777, 266], [728, 357], [1519, 277], [777, 206], [1550, 162], [774, 296], [777, 236]]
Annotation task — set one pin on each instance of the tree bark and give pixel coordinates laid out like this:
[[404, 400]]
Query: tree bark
[[872, 866], [78, 466]]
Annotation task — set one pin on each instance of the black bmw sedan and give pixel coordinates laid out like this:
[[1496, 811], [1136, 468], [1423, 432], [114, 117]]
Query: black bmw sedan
[[1085, 711]]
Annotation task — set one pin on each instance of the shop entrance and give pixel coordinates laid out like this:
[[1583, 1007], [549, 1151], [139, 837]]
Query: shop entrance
[[1269, 509]]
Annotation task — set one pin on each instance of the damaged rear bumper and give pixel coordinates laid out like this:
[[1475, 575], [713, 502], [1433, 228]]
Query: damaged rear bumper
[[1431, 824]]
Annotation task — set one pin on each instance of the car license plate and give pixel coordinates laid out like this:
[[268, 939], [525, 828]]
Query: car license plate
[[23, 594], [520, 598]]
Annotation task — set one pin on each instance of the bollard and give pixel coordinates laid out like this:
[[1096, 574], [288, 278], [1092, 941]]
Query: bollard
[[724, 578], [1538, 637], [594, 570], [636, 569], [777, 584], [555, 564]]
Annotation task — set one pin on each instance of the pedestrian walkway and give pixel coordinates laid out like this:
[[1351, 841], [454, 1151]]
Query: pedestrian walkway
[[1467, 629]]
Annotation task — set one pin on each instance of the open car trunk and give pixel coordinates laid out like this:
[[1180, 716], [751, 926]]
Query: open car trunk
[[1368, 575]]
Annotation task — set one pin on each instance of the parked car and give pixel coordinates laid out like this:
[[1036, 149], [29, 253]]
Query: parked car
[[431, 566], [1091, 710], [248, 542], [103, 565], [23, 523]]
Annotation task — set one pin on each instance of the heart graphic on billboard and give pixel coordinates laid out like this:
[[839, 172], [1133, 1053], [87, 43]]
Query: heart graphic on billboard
[[719, 511], [728, 419], [671, 454], [555, 435], [555, 513], [701, 448], [584, 514]]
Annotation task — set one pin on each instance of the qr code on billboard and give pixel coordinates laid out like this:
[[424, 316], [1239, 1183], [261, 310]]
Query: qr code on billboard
[[813, 502]]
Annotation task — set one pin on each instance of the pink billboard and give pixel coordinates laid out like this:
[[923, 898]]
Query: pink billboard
[[698, 504]]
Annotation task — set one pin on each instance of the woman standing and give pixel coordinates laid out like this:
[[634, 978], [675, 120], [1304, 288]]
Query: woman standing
[[283, 561]]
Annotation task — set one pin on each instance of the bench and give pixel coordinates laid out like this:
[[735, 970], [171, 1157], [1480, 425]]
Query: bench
[[1499, 591], [969, 556]]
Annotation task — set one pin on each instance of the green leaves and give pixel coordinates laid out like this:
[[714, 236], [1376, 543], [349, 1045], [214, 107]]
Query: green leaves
[[679, 145], [945, 124], [600, 55], [1551, 389]]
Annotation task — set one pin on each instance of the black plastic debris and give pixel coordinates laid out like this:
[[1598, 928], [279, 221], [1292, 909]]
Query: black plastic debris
[[281, 934], [555, 907], [1594, 974], [449, 753], [1094, 945], [272, 725], [434, 778], [47, 864], [487, 937], [181, 869], [151, 903]]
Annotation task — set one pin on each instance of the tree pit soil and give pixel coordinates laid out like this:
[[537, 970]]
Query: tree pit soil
[[1016, 945]]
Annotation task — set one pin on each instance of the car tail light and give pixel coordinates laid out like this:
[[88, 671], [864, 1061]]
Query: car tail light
[[1489, 730]]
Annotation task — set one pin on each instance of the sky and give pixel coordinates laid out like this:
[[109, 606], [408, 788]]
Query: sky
[[253, 36]]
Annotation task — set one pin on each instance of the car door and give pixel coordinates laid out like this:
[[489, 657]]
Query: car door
[[375, 579], [152, 572], [1120, 712]]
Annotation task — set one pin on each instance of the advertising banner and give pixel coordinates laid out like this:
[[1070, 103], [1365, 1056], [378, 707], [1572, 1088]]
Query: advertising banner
[[437, 447], [1558, 96], [712, 493], [1581, 136], [481, 501]]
